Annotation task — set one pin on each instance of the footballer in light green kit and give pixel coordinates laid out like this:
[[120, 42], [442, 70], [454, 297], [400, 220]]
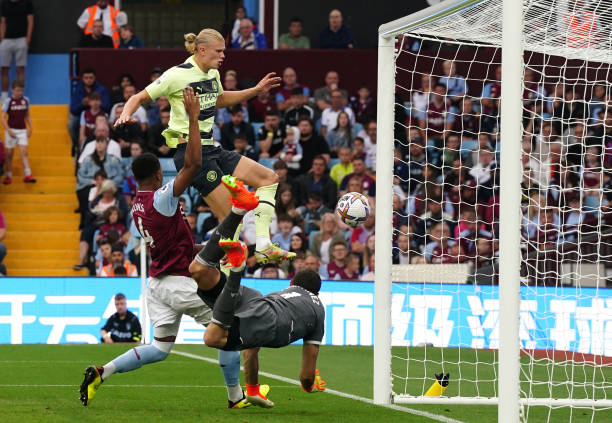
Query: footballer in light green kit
[[207, 87], [200, 71]]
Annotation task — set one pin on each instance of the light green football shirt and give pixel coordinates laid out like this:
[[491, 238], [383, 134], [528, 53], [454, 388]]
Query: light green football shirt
[[206, 86]]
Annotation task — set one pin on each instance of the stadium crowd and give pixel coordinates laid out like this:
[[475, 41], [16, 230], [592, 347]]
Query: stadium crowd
[[321, 142]]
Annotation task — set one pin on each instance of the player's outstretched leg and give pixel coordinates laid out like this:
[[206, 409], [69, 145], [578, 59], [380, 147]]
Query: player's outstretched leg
[[265, 251], [130, 360], [207, 259]]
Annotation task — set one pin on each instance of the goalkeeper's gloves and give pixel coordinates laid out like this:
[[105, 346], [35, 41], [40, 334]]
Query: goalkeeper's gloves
[[319, 384]]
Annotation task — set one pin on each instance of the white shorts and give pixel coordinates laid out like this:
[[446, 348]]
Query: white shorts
[[168, 298], [21, 138]]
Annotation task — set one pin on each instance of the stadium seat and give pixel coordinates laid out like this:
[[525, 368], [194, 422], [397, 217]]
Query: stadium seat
[[256, 126], [200, 220]]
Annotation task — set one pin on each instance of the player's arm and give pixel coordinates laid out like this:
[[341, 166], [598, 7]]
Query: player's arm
[[229, 98], [193, 153], [131, 106], [309, 378]]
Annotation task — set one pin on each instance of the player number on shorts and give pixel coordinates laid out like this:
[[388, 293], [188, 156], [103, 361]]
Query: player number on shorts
[[145, 234]]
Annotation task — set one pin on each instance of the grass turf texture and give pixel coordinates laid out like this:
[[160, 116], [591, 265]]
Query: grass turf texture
[[185, 389]]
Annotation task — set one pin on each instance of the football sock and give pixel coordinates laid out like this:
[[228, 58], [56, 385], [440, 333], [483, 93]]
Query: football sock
[[263, 215], [230, 367], [223, 312], [8, 174], [238, 231], [27, 171], [212, 253], [210, 296], [134, 359]]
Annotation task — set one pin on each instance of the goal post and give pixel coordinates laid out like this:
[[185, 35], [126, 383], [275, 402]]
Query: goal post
[[527, 320]]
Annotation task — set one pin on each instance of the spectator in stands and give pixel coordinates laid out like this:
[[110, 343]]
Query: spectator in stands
[[286, 229], [118, 260], [351, 269], [313, 263], [18, 129], [469, 231], [242, 146], [140, 115], [369, 275], [483, 170], [368, 134], [99, 177], [455, 85], [103, 255], [337, 265], [299, 243], [322, 95], [421, 97], [250, 38], [361, 233], [88, 118], [547, 233], [269, 271], [329, 118], [235, 126], [296, 265], [292, 151], [123, 326], [17, 20], [322, 240], [358, 148], [313, 211], [285, 98], [260, 105], [271, 136], [363, 105], [156, 141], [336, 35], [128, 39], [368, 251], [79, 102], [433, 214], [99, 159], [449, 152], [101, 131], [360, 171], [403, 251], [112, 19], [112, 222], [300, 108], [312, 144], [282, 171], [154, 108], [2, 246], [125, 79], [468, 122], [437, 117], [439, 249], [230, 83], [96, 39], [130, 186], [345, 167], [294, 38], [317, 180], [231, 29], [127, 133]]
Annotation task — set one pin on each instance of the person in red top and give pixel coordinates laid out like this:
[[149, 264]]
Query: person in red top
[[112, 223], [337, 266], [170, 291], [18, 127], [88, 118]]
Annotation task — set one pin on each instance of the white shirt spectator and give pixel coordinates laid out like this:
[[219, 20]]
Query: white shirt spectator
[[329, 118], [113, 149], [420, 101]]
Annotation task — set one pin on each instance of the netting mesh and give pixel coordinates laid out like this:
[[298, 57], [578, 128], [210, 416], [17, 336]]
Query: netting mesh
[[446, 205]]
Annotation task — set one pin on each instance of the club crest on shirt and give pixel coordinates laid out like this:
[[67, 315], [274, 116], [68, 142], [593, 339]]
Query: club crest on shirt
[[211, 175]]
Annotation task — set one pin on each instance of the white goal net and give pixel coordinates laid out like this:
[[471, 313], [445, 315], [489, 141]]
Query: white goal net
[[445, 297]]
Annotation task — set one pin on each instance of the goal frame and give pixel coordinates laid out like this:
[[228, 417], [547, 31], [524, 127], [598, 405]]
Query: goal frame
[[509, 401]]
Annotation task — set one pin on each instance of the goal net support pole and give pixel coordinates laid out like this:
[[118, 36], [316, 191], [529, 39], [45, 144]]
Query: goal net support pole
[[510, 212]]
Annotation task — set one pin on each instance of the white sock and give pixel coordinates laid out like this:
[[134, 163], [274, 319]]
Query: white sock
[[4, 96], [27, 171], [109, 369], [9, 174], [234, 393], [262, 242]]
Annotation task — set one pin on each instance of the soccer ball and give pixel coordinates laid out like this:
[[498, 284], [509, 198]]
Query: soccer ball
[[353, 208]]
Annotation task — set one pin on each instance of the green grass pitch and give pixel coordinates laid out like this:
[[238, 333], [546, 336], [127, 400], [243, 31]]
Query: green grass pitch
[[39, 383]]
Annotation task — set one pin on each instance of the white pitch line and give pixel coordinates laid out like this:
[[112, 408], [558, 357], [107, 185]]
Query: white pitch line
[[126, 386], [421, 413]]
